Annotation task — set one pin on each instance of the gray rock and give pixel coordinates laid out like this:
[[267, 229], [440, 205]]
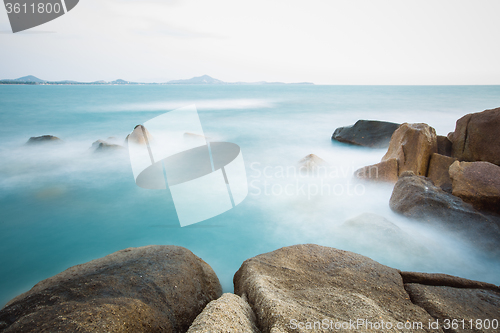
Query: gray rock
[[446, 280], [230, 313], [459, 304], [417, 197], [146, 289], [311, 283], [368, 133], [101, 146], [35, 140]]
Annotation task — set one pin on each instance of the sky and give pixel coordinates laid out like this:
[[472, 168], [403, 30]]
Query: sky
[[322, 41]]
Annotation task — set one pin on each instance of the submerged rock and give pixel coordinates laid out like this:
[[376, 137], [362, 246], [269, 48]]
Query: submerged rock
[[417, 197], [311, 283], [146, 289], [35, 140], [311, 163], [476, 137], [100, 146], [230, 313], [368, 133], [477, 183], [374, 233], [412, 145]]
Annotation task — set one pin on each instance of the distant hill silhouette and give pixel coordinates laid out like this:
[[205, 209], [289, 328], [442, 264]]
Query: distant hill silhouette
[[204, 79]]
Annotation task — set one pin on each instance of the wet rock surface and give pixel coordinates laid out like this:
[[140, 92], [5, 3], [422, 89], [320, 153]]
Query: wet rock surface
[[367, 133]]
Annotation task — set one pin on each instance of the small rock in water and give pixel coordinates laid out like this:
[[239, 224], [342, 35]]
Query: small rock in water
[[311, 163], [35, 140]]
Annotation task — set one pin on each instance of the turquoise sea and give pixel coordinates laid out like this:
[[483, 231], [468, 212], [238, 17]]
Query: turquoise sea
[[63, 205]]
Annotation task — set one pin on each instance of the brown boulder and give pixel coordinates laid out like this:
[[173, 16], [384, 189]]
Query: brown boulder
[[439, 171], [477, 183], [293, 287], [412, 145], [444, 145], [386, 171], [476, 137], [146, 289], [229, 313]]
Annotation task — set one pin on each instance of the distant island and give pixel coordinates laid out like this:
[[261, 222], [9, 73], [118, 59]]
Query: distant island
[[204, 79]]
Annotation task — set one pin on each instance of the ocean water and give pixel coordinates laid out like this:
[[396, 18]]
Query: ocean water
[[63, 205]]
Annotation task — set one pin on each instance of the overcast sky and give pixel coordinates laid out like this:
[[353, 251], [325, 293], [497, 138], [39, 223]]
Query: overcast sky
[[325, 42]]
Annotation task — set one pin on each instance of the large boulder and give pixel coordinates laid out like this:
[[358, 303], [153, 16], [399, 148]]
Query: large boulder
[[385, 171], [368, 133], [293, 287], [438, 172], [229, 313], [417, 197], [477, 183], [412, 145], [146, 289], [476, 137], [36, 140]]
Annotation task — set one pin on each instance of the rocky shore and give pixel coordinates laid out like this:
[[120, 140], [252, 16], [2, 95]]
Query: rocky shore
[[449, 182], [300, 288]]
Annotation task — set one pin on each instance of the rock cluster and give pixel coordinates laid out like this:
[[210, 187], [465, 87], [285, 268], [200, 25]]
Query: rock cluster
[[300, 288]]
